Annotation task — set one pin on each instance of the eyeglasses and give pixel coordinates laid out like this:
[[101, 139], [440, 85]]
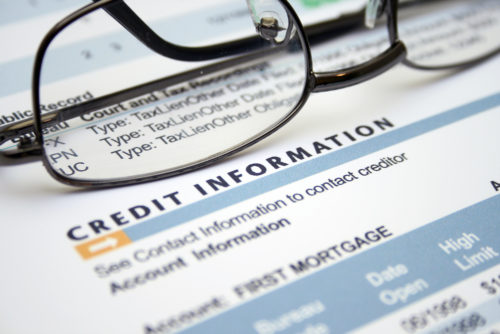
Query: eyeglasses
[[123, 95]]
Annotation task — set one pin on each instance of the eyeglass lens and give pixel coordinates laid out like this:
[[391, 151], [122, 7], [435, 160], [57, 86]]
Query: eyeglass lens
[[198, 110]]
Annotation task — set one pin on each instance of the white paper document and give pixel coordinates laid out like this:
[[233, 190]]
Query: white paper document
[[375, 210]]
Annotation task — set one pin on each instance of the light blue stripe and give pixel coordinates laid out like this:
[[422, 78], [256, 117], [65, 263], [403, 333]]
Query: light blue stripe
[[18, 10], [305, 169], [349, 300]]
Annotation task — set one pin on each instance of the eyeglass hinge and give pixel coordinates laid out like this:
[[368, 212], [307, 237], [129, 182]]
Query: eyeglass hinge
[[24, 154]]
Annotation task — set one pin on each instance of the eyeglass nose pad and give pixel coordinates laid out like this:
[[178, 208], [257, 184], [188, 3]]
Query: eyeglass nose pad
[[272, 25], [269, 27], [374, 9]]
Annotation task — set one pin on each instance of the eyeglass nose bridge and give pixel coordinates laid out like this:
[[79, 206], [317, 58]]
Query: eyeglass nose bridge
[[326, 81]]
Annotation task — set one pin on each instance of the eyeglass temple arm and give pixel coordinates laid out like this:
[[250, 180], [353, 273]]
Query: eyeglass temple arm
[[140, 30], [124, 15]]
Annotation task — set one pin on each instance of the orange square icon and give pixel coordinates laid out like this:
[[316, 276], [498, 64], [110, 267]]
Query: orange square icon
[[103, 244]]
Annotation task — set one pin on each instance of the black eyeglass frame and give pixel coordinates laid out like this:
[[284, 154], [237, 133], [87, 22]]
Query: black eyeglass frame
[[315, 81]]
